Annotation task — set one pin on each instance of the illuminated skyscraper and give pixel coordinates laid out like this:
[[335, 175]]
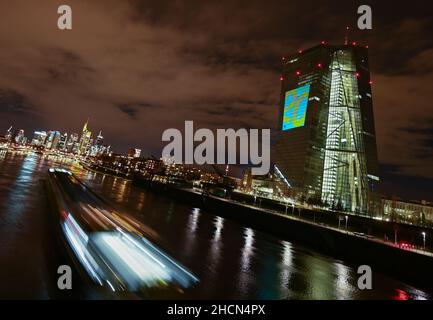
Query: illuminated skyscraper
[[39, 138], [20, 138], [96, 147], [8, 135], [326, 147], [134, 153], [99, 139], [85, 139], [62, 142], [52, 140], [72, 144]]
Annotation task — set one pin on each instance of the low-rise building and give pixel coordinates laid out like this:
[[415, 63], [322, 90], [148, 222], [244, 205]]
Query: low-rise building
[[410, 212]]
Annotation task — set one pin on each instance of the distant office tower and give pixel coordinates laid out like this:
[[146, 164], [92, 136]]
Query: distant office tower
[[326, 145], [99, 139], [39, 138], [85, 140], [107, 150], [72, 144], [20, 138], [62, 142], [8, 135], [96, 147], [134, 153], [52, 140]]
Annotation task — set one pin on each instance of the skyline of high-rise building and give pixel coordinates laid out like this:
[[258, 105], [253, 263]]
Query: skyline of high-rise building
[[86, 135], [20, 138], [326, 144], [134, 153], [39, 138], [99, 139], [72, 144], [62, 141], [54, 140]]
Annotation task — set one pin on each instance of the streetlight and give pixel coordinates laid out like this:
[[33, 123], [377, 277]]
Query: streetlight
[[347, 218], [423, 239]]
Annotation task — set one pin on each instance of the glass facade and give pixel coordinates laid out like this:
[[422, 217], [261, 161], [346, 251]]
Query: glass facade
[[418, 214], [344, 173], [332, 157]]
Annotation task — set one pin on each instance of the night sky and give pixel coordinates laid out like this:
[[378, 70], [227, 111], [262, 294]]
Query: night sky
[[136, 68]]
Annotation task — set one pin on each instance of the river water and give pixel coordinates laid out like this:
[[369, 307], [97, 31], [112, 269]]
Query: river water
[[231, 261]]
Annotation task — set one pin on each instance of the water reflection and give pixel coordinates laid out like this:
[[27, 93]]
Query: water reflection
[[232, 261], [141, 201], [122, 191], [214, 255], [169, 212], [320, 279], [248, 249], [219, 223], [286, 269], [245, 263], [343, 288], [216, 244], [22, 226], [193, 223], [20, 189], [191, 231]]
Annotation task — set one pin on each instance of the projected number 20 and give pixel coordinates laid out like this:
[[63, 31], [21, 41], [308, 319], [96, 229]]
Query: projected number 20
[[295, 107]]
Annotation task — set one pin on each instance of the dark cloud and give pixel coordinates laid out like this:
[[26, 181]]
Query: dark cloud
[[132, 109], [129, 110], [424, 140], [406, 186], [12, 102], [66, 66]]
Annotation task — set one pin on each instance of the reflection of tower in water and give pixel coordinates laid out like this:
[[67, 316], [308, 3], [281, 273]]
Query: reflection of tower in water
[[343, 288], [215, 249], [246, 254], [214, 255], [191, 231], [286, 269]]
